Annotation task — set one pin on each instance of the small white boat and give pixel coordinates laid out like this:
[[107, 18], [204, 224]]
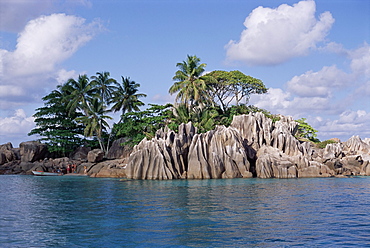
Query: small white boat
[[43, 173]]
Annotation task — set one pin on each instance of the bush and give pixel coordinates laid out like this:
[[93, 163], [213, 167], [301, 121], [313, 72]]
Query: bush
[[323, 144]]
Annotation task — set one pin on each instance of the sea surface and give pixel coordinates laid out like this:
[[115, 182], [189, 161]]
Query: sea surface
[[70, 211]]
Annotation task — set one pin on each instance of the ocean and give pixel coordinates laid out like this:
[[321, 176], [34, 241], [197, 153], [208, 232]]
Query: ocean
[[70, 211]]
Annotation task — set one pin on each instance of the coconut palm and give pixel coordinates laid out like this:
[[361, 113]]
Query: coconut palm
[[81, 93], [125, 98], [104, 84], [190, 85], [95, 121]]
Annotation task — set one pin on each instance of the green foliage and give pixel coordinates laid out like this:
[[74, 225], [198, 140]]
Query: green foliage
[[190, 85], [323, 144], [79, 109], [143, 124], [306, 131], [226, 117], [57, 126], [202, 118], [233, 87], [125, 98]]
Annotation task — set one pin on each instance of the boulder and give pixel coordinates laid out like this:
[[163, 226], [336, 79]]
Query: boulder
[[259, 130], [219, 153], [32, 151], [312, 171], [95, 156], [355, 145], [273, 163], [163, 157], [110, 168], [332, 151], [80, 153], [119, 150], [7, 153]]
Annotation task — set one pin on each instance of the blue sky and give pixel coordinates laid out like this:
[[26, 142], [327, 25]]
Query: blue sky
[[314, 56]]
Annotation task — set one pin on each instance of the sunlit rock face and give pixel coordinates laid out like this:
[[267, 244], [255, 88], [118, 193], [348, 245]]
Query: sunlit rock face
[[253, 146]]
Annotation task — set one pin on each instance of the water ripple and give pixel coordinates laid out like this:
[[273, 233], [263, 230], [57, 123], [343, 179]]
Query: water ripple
[[85, 212]]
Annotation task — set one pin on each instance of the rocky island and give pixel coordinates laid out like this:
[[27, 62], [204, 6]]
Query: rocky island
[[252, 146]]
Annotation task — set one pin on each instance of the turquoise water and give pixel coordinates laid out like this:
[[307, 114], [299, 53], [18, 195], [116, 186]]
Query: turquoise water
[[90, 212]]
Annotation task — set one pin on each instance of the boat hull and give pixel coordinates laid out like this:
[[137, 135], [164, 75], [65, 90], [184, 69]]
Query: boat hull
[[43, 173]]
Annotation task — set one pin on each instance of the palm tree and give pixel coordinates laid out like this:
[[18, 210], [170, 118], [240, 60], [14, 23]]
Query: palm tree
[[104, 84], [81, 93], [190, 84], [202, 118], [125, 98], [95, 121]]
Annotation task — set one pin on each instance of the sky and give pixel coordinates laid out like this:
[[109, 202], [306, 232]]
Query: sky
[[314, 56]]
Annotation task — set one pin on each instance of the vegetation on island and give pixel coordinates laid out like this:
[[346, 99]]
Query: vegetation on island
[[77, 112]]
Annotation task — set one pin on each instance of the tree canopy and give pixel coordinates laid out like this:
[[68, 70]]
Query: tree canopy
[[233, 87], [79, 110]]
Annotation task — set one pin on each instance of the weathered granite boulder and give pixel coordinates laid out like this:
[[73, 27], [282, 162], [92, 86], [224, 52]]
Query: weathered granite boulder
[[32, 151], [163, 157], [118, 150], [7, 153], [259, 130], [80, 153], [273, 163], [219, 153], [355, 145], [109, 168], [95, 156], [332, 151]]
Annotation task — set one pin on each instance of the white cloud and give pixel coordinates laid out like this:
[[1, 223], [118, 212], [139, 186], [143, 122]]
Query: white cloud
[[63, 75], [319, 97], [275, 100], [45, 42], [41, 47], [360, 63], [348, 124], [18, 124], [273, 36], [319, 84]]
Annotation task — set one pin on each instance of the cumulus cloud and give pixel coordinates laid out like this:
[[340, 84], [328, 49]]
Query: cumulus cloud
[[348, 123], [319, 97], [17, 124], [275, 100], [319, 84], [273, 36], [44, 44], [360, 63]]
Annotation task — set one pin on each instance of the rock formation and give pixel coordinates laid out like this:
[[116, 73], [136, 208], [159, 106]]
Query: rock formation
[[32, 151], [34, 156], [163, 157], [253, 145]]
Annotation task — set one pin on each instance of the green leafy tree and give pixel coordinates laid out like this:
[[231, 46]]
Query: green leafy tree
[[233, 87], [306, 131], [190, 86], [202, 118], [56, 124], [143, 124]]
